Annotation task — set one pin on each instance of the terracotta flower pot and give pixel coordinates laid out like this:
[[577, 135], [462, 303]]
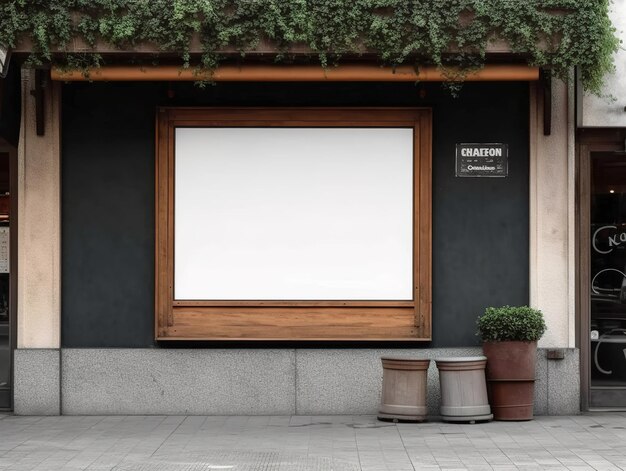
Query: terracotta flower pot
[[511, 378], [510, 359]]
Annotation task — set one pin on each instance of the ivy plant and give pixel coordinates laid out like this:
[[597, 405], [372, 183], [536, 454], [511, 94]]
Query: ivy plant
[[451, 34]]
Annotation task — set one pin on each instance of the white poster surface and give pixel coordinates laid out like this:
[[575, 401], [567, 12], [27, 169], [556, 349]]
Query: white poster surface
[[293, 214]]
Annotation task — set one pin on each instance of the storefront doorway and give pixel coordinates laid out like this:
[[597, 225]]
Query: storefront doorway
[[607, 334], [602, 274], [7, 324], [10, 105]]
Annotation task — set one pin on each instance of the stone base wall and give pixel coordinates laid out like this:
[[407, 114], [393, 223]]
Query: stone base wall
[[243, 381]]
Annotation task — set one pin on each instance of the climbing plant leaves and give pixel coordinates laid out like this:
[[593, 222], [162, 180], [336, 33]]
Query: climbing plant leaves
[[452, 34]]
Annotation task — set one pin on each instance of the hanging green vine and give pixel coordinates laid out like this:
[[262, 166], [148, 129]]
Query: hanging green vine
[[556, 34]]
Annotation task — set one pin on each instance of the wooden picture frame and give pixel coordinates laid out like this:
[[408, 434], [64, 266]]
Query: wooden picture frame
[[293, 320]]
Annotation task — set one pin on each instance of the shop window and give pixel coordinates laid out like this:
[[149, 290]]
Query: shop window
[[293, 224]]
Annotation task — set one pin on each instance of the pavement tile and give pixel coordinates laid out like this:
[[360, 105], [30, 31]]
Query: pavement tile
[[303, 443]]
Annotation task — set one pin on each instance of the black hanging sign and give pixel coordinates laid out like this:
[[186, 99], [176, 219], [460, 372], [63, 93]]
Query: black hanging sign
[[482, 160]]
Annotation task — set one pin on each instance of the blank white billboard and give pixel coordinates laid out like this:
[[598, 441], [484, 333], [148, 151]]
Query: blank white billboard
[[293, 214]]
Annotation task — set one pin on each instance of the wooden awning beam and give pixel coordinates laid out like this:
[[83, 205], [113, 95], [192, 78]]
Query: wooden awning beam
[[294, 73]]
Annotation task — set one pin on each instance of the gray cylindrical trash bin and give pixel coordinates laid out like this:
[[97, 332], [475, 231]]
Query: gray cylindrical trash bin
[[404, 389], [463, 389]]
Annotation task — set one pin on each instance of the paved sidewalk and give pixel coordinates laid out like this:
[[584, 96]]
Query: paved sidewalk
[[302, 443]]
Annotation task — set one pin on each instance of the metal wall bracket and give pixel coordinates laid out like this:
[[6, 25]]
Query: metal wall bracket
[[38, 93], [556, 354], [545, 83]]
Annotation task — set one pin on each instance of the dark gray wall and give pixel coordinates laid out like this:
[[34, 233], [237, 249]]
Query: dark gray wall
[[480, 232], [107, 217]]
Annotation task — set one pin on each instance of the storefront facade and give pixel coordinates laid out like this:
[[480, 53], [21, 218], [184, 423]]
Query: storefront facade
[[90, 340], [255, 246]]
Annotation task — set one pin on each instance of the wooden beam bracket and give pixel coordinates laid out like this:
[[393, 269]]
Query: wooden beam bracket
[[545, 80], [41, 82]]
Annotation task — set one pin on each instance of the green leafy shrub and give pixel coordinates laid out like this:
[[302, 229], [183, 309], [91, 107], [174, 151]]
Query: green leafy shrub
[[511, 323], [553, 34]]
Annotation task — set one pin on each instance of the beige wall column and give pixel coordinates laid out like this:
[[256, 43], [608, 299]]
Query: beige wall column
[[37, 369], [39, 272], [552, 212]]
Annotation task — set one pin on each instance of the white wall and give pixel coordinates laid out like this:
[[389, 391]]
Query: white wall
[[602, 112]]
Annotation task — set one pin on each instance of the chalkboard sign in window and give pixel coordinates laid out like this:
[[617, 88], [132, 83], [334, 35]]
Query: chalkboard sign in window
[[304, 224], [482, 160]]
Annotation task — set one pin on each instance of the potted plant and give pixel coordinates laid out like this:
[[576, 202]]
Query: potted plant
[[510, 337]]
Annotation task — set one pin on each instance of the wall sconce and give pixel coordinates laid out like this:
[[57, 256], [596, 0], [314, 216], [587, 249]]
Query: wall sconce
[[5, 57]]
